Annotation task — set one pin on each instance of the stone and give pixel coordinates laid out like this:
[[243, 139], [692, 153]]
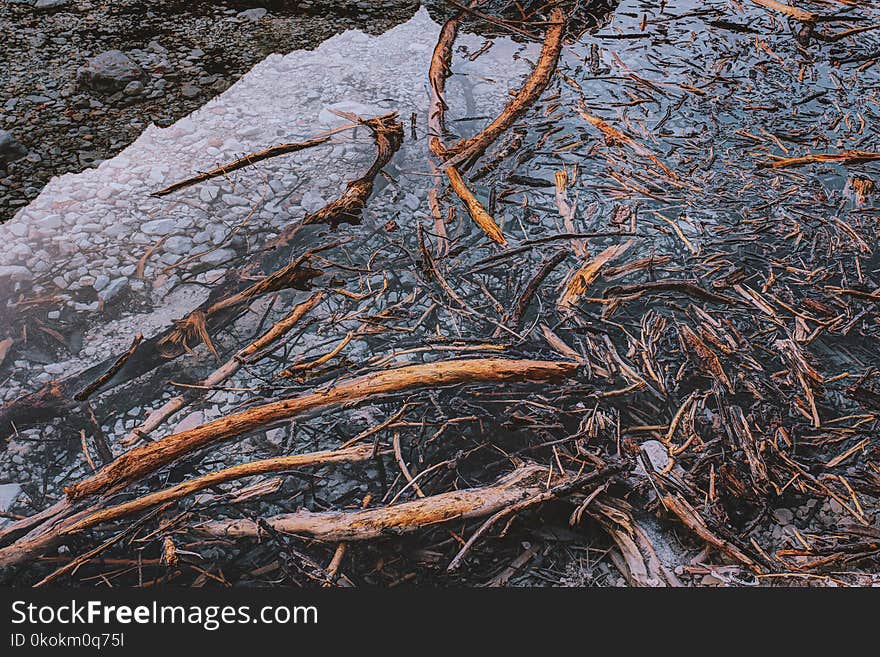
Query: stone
[[109, 71], [783, 516], [8, 493], [191, 421], [158, 227], [101, 282], [113, 290], [10, 149], [218, 257], [253, 15], [48, 5], [276, 436], [657, 455], [178, 245], [312, 201], [16, 273], [134, 88]]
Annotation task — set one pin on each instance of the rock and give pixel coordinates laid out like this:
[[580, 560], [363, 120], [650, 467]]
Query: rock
[[189, 90], [48, 5], [109, 71], [101, 282], [178, 245], [134, 88], [411, 201], [208, 193], [191, 421], [15, 273], [783, 516], [158, 227], [312, 201], [218, 257], [113, 290], [254, 14], [657, 455], [10, 149], [276, 436], [8, 493]]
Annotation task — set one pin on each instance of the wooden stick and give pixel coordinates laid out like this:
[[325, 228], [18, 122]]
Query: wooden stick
[[793, 12], [846, 157], [468, 150], [243, 162], [475, 209]]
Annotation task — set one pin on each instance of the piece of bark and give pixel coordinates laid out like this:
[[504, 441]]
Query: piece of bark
[[583, 278]]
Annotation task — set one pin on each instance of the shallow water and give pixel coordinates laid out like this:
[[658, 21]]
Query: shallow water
[[705, 93]]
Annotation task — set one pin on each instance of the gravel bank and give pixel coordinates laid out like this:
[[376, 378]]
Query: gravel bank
[[58, 119]]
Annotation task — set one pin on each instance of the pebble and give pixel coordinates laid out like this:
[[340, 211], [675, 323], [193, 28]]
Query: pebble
[[783, 516], [113, 289], [159, 226], [10, 148]]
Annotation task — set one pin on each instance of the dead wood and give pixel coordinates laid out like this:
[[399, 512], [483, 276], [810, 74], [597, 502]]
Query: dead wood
[[145, 459], [224, 372], [242, 162], [468, 150], [583, 278], [223, 306], [174, 493], [475, 209], [523, 483], [846, 158], [387, 132]]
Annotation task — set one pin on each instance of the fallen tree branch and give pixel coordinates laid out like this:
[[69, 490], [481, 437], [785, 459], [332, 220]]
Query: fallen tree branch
[[223, 306], [145, 459], [845, 157], [568, 485], [468, 150], [242, 162], [388, 134], [174, 493], [523, 483]]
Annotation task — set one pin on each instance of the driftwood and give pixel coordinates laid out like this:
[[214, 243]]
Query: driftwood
[[242, 162], [145, 459], [66, 524], [583, 278], [523, 483], [387, 132], [468, 150], [224, 372], [845, 157]]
